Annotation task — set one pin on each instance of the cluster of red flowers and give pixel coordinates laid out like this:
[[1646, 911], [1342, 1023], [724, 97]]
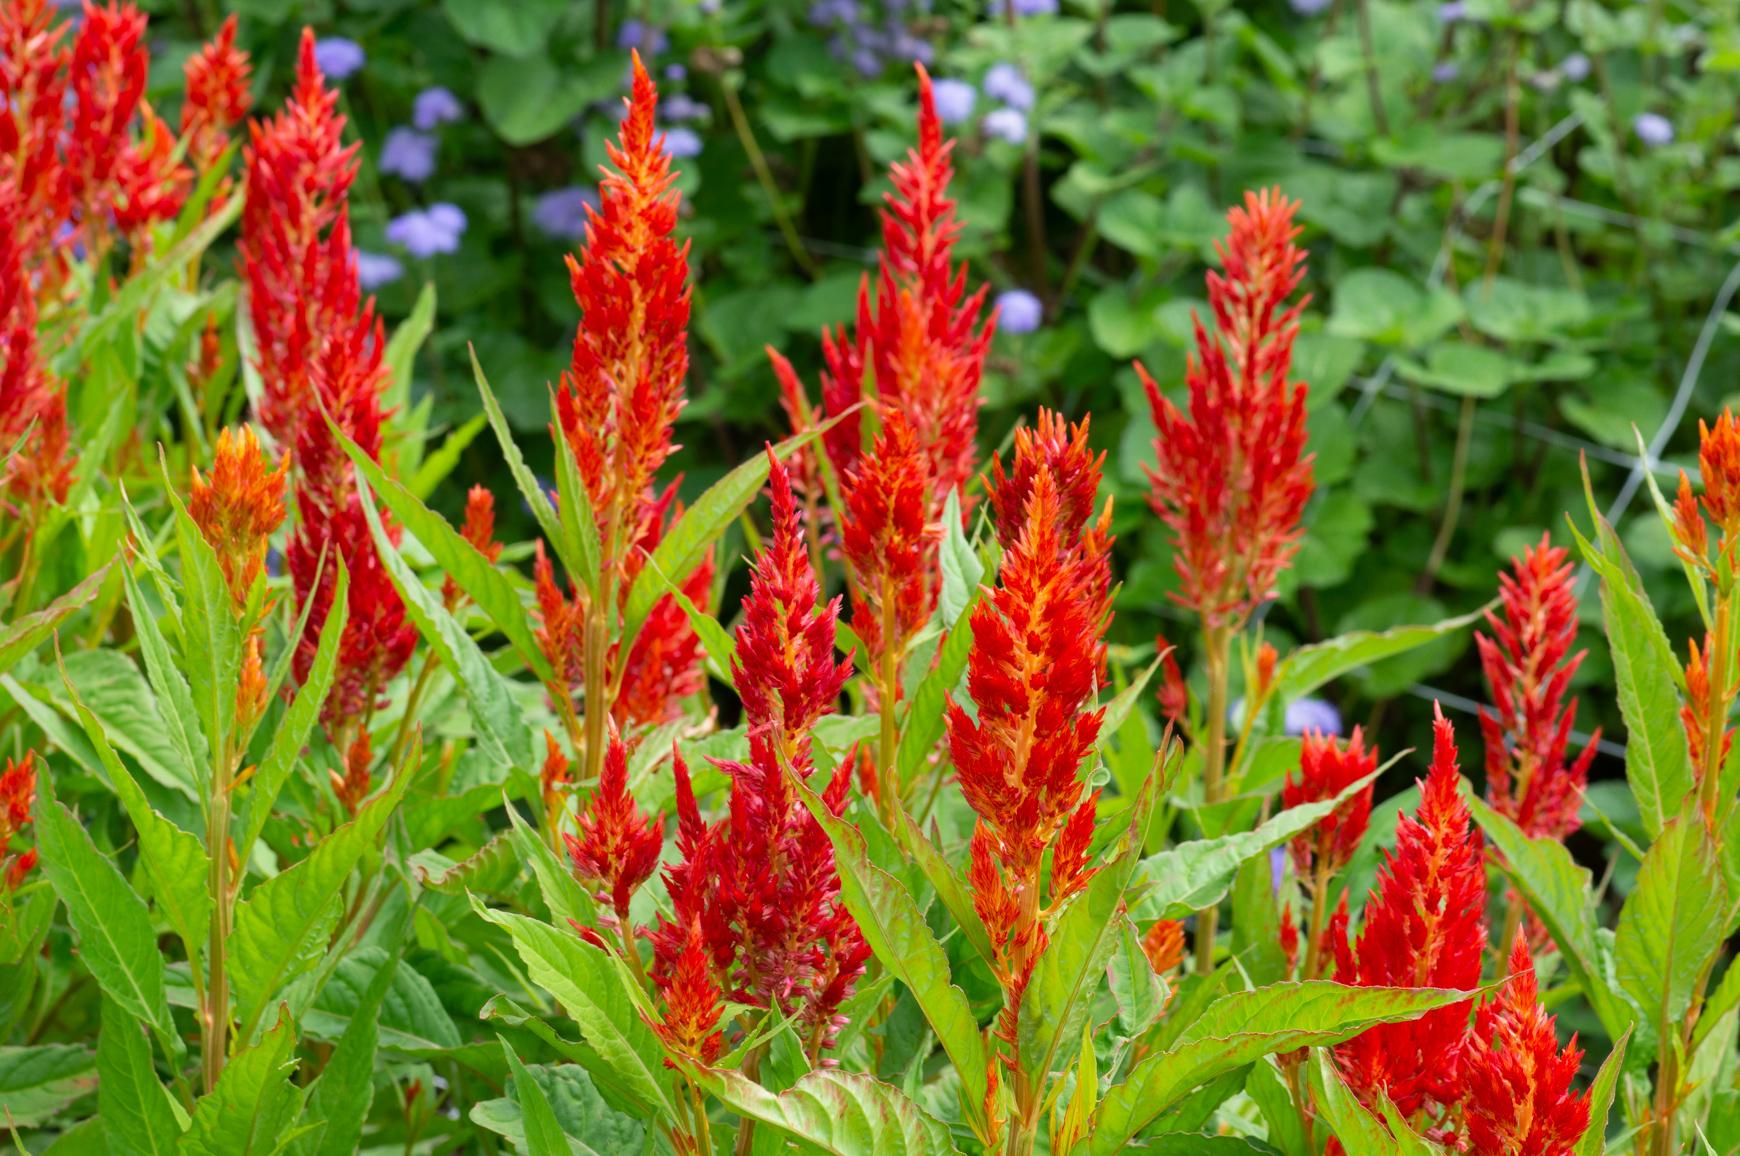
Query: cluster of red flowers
[[320, 356], [1034, 672], [1528, 666], [17, 795], [1233, 476], [32, 401], [889, 542], [1710, 686], [1328, 767], [218, 97], [615, 407]]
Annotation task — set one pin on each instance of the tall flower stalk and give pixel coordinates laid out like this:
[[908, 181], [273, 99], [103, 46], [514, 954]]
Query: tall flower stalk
[[1233, 476]]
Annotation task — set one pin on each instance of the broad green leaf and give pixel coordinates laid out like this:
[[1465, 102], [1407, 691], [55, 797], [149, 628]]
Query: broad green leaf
[[564, 896], [488, 587], [1723, 1000], [1269, 1091], [285, 919], [1594, 1141], [1139, 993], [1461, 368], [1073, 963], [959, 562], [1559, 892], [174, 859], [1192, 876], [170, 692], [115, 938], [342, 1094], [24, 634], [587, 985], [896, 931], [36, 1083], [253, 1104], [578, 1108], [1672, 923], [401, 352], [122, 700], [519, 28], [543, 1134], [530, 488], [139, 1115], [298, 720], [923, 722], [575, 516], [686, 542], [1307, 1017], [837, 1112], [1360, 1132], [408, 1018], [1310, 667], [495, 713]]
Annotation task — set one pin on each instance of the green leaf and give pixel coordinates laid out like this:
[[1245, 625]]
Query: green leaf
[[923, 723], [685, 544], [561, 892], [531, 99], [1195, 875], [837, 1112], [961, 569], [488, 587], [253, 1103], [530, 489], [116, 942], [1559, 892], [575, 516], [1360, 1132], [286, 919], [299, 719], [139, 1114], [342, 1094], [435, 468], [1673, 921], [1314, 1014], [494, 712], [720, 646], [1310, 667], [211, 638], [543, 1134], [578, 1108], [171, 695], [122, 700], [1460, 368], [1594, 1141], [628, 1057], [951, 888], [511, 28], [175, 860], [1384, 307], [896, 931], [23, 635], [36, 1083], [401, 352]]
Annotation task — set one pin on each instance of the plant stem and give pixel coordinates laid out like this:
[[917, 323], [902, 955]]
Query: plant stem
[[408, 719], [1319, 915], [1507, 190], [1216, 640], [764, 177], [1379, 117], [1452, 501], [215, 1015], [888, 688]]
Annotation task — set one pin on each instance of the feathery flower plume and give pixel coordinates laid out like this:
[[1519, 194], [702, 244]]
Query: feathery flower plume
[[479, 531], [17, 795], [320, 347], [1233, 475], [218, 76], [1163, 944], [1328, 767], [109, 66], [1528, 666], [1033, 674], [1173, 693], [33, 64], [32, 401], [1425, 926], [238, 507], [618, 847], [690, 1023], [1520, 1101], [553, 779]]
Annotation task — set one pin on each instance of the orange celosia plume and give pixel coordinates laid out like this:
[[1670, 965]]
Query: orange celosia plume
[[238, 507]]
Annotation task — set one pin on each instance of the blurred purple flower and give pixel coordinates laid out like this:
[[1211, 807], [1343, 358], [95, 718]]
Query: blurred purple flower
[[648, 38], [1004, 82], [562, 212], [954, 99], [1574, 67], [373, 270], [338, 57], [1006, 124], [1277, 867], [1024, 7], [1445, 71], [825, 12], [409, 155], [1309, 7], [1018, 311], [682, 143], [680, 107], [676, 72], [866, 61], [1653, 129], [1313, 714], [426, 232], [435, 107], [1452, 12]]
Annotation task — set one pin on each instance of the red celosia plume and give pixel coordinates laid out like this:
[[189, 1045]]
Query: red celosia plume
[[479, 531], [17, 796], [1520, 1101], [1233, 475], [218, 96], [32, 401], [1425, 926], [888, 539], [33, 62], [1328, 767], [618, 847], [689, 1025], [1528, 666]]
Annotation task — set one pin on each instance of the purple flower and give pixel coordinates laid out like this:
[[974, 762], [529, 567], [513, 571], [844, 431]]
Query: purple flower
[[1309, 7], [1313, 714], [1006, 124], [409, 155], [1004, 82], [1452, 12], [562, 212], [826, 12], [374, 270], [426, 232], [676, 73], [866, 61], [1024, 7], [681, 143], [1277, 867], [954, 100], [435, 107], [1653, 129], [1018, 311], [681, 107], [1575, 67], [338, 57], [1445, 71], [649, 39]]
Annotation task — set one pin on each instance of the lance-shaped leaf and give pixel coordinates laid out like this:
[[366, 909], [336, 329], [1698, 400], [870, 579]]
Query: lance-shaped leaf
[[575, 517], [211, 638], [1308, 1015], [139, 1115], [950, 886], [475, 574], [1594, 1141], [24, 634], [837, 1112], [543, 1133], [1313, 666], [1360, 1132], [253, 1104], [408, 337], [283, 921], [923, 723], [170, 693], [529, 486], [896, 931], [341, 1095], [494, 712], [1672, 923], [36, 1083]]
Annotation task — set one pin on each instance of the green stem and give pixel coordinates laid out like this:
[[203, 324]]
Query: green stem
[[1453, 500], [764, 177], [215, 1015], [888, 686], [1215, 646]]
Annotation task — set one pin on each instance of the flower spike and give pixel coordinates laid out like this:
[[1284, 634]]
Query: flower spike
[[239, 507], [218, 95], [618, 847], [17, 796], [1326, 768]]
